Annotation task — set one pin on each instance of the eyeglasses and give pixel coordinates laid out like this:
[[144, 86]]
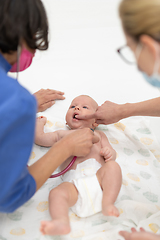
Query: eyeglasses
[[128, 55]]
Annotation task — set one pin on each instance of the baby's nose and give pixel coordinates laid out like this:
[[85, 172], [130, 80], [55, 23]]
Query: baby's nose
[[77, 108]]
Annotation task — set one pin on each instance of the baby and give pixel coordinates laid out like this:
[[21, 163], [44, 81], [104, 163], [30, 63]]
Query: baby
[[92, 183]]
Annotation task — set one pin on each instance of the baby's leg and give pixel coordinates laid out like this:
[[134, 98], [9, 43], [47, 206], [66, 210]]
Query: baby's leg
[[110, 179], [61, 199]]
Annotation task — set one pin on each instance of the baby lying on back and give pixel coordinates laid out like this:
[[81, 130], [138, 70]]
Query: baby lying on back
[[92, 183]]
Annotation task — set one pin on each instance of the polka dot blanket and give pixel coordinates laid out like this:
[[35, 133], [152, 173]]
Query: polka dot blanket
[[138, 154]]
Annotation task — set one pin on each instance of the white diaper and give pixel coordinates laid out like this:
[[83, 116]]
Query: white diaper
[[90, 193]]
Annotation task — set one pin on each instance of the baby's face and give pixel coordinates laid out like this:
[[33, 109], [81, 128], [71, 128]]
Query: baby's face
[[81, 105]]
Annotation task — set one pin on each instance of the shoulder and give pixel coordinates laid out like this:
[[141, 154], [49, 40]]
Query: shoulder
[[101, 134], [14, 98]]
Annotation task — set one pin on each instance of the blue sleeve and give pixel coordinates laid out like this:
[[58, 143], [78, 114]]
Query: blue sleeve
[[17, 125]]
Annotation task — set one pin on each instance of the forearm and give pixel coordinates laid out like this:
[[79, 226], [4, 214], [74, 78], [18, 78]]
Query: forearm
[[44, 167], [78, 143], [42, 140], [114, 154], [146, 108], [50, 138]]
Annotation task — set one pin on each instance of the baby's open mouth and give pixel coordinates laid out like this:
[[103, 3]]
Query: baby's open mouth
[[75, 116]]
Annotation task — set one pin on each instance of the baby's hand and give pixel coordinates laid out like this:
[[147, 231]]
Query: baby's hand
[[39, 130], [41, 120], [107, 153]]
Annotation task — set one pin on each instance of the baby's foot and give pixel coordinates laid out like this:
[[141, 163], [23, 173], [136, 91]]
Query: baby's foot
[[55, 227], [110, 210]]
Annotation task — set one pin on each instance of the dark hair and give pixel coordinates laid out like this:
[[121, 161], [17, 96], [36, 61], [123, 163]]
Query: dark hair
[[23, 20]]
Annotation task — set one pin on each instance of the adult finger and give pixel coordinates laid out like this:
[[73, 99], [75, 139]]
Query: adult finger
[[51, 91], [83, 117], [44, 106], [125, 234], [142, 229], [46, 95], [100, 121], [57, 96], [90, 116], [49, 99]]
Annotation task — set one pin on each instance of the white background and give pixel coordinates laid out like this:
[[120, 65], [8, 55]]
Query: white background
[[82, 57]]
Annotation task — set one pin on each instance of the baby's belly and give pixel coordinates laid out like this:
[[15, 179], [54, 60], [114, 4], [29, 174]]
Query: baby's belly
[[94, 155]]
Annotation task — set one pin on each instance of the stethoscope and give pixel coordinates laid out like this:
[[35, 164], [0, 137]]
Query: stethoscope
[[68, 167], [64, 170]]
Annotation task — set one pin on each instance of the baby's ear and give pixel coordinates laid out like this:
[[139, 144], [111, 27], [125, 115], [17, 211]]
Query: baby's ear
[[95, 125]]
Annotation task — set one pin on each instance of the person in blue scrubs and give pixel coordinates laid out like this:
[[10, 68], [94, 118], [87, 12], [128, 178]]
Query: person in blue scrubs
[[141, 24], [23, 29]]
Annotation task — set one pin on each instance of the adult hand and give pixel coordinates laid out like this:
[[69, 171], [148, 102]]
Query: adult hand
[[81, 141], [142, 235], [107, 113], [46, 98]]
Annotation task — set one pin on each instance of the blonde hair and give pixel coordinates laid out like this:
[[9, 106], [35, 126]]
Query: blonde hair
[[141, 17]]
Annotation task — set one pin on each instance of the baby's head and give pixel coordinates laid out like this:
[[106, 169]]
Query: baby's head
[[81, 105]]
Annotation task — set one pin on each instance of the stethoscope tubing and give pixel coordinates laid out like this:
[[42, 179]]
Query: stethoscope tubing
[[64, 170], [68, 167]]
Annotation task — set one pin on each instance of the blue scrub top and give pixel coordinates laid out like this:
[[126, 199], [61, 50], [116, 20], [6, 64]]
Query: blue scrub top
[[17, 124]]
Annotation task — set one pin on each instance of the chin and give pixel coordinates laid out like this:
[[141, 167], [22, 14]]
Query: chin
[[76, 127]]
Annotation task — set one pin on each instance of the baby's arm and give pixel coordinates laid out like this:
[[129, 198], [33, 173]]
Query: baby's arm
[[106, 151], [46, 139]]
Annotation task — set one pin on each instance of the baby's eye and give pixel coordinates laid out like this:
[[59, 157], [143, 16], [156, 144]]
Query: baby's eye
[[72, 107], [85, 107]]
